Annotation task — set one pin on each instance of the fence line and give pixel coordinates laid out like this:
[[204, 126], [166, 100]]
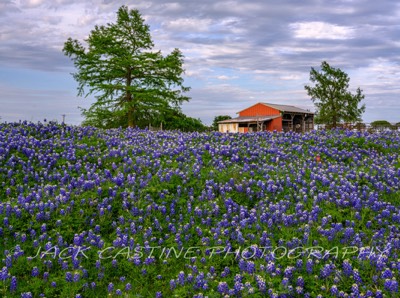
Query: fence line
[[370, 127]]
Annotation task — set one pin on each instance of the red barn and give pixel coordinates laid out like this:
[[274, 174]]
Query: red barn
[[267, 116]]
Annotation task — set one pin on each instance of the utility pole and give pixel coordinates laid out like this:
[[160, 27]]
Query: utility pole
[[63, 115]]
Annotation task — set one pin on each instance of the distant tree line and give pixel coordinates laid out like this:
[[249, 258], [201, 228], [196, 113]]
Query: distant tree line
[[383, 124], [378, 125]]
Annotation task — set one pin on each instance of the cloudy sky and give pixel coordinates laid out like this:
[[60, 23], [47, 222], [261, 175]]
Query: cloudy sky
[[237, 53]]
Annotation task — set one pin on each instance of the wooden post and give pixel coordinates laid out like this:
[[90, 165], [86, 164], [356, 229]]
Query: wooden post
[[291, 122]]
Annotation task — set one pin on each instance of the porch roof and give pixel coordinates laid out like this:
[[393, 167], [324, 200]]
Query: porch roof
[[249, 119]]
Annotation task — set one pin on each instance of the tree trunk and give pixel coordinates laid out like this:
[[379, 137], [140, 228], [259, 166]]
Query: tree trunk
[[129, 99], [334, 118], [131, 123]]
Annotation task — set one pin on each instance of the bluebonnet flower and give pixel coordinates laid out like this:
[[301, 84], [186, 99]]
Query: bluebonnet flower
[[300, 281], [77, 277], [75, 263], [251, 267], [128, 287], [181, 278], [64, 265], [13, 285], [68, 277], [223, 288], [261, 284], [355, 290], [242, 265], [289, 272], [285, 282], [85, 273], [226, 271], [35, 272], [270, 267], [114, 263], [391, 285], [299, 263], [8, 261], [387, 274], [110, 287], [357, 277], [326, 270], [172, 284], [309, 266], [347, 268], [299, 290], [334, 291]]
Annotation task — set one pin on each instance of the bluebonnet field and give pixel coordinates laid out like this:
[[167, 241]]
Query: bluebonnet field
[[133, 213]]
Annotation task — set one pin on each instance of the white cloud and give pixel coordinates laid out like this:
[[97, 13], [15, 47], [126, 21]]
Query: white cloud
[[31, 3], [379, 74], [188, 25], [226, 78], [321, 30], [237, 7], [291, 77], [172, 6]]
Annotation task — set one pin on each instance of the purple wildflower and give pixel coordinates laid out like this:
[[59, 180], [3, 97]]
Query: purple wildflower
[[13, 285], [35, 272], [110, 287]]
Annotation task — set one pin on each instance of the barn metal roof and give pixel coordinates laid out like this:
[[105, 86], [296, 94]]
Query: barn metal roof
[[282, 108], [287, 108]]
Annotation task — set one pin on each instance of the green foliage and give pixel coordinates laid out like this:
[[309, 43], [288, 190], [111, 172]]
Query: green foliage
[[382, 124], [103, 118], [176, 120], [334, 103], [217, 119], [127, 79], [169, 119]]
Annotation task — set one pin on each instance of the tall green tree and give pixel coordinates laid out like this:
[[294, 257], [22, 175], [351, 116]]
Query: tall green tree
[[334, 103], [217, 119], [120, 69]]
